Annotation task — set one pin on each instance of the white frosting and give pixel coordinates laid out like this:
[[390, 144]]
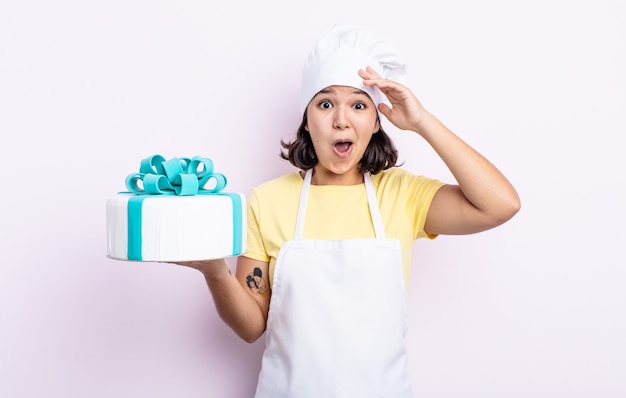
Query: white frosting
[[177, 228]]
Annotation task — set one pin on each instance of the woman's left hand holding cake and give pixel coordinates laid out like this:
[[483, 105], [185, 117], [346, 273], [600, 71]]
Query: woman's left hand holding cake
[[210, 268]]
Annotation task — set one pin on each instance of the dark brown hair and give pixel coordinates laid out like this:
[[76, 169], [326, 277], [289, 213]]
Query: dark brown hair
[[381, 152]]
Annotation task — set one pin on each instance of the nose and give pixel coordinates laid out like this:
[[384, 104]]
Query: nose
[[341, 119]]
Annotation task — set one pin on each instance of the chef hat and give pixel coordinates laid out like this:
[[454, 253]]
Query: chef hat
[[338, 56]]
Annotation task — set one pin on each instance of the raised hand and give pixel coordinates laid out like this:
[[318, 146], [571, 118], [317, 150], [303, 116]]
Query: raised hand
[[406, 112]]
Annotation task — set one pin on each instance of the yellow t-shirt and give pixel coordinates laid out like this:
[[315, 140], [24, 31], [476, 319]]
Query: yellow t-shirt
[[339, 212]]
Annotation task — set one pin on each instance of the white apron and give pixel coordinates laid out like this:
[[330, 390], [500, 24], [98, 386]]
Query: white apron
[[337, 317]]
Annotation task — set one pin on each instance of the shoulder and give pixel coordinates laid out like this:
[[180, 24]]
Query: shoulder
[[285, 182], [397, 178], [277, 190]]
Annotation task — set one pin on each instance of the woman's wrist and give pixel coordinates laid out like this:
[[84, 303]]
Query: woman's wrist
[[425, 124], [214, 269]]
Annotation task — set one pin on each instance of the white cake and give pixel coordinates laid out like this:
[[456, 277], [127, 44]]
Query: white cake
[[168, 226]]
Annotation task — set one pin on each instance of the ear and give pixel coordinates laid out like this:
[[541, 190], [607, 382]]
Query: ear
[[377, 125]]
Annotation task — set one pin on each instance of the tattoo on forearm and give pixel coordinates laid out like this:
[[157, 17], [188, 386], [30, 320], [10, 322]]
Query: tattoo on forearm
[[255, 282]]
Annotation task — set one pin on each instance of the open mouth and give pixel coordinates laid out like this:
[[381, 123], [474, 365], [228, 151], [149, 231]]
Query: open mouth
[[342, 148]]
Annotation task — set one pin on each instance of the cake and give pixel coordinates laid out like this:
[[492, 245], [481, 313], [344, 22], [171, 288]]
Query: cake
[[175, 210]]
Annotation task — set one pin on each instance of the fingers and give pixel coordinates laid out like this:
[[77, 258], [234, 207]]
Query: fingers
[[369, 76], [200, 265], [388, 87]]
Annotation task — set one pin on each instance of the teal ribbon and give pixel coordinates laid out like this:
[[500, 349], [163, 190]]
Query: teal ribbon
[[237, 220], [177, 176], [134, 228]]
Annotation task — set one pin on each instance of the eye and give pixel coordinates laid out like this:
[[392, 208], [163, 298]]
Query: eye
[[325, 104], [359, 106]]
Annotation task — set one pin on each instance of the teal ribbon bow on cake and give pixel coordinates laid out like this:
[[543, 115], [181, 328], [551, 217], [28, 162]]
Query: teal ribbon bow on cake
[[177, 176]]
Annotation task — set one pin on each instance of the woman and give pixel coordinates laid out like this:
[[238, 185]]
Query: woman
[[329, 247]]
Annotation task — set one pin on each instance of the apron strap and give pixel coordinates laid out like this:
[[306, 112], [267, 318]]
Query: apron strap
[[304, 199], [377, 219]]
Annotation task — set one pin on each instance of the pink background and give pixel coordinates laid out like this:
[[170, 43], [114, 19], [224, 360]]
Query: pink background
[[535, 308]]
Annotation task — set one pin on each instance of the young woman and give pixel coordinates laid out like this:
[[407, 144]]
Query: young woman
[[329, 246]]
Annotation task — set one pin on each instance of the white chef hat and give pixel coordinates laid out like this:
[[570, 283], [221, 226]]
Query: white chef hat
[[338, 56]]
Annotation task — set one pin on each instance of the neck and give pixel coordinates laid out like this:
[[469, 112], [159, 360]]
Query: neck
[[320, 177]]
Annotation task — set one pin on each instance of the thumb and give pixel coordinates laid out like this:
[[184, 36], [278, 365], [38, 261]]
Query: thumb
[[384, 109]]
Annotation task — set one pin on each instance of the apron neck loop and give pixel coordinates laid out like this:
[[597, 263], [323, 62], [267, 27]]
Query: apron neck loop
[[377, 219]]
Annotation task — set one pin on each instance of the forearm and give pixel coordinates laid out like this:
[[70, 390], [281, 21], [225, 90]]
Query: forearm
[[233, 303], [482, 184]]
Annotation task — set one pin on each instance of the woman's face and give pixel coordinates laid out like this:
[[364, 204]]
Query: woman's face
[[341, 121]]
